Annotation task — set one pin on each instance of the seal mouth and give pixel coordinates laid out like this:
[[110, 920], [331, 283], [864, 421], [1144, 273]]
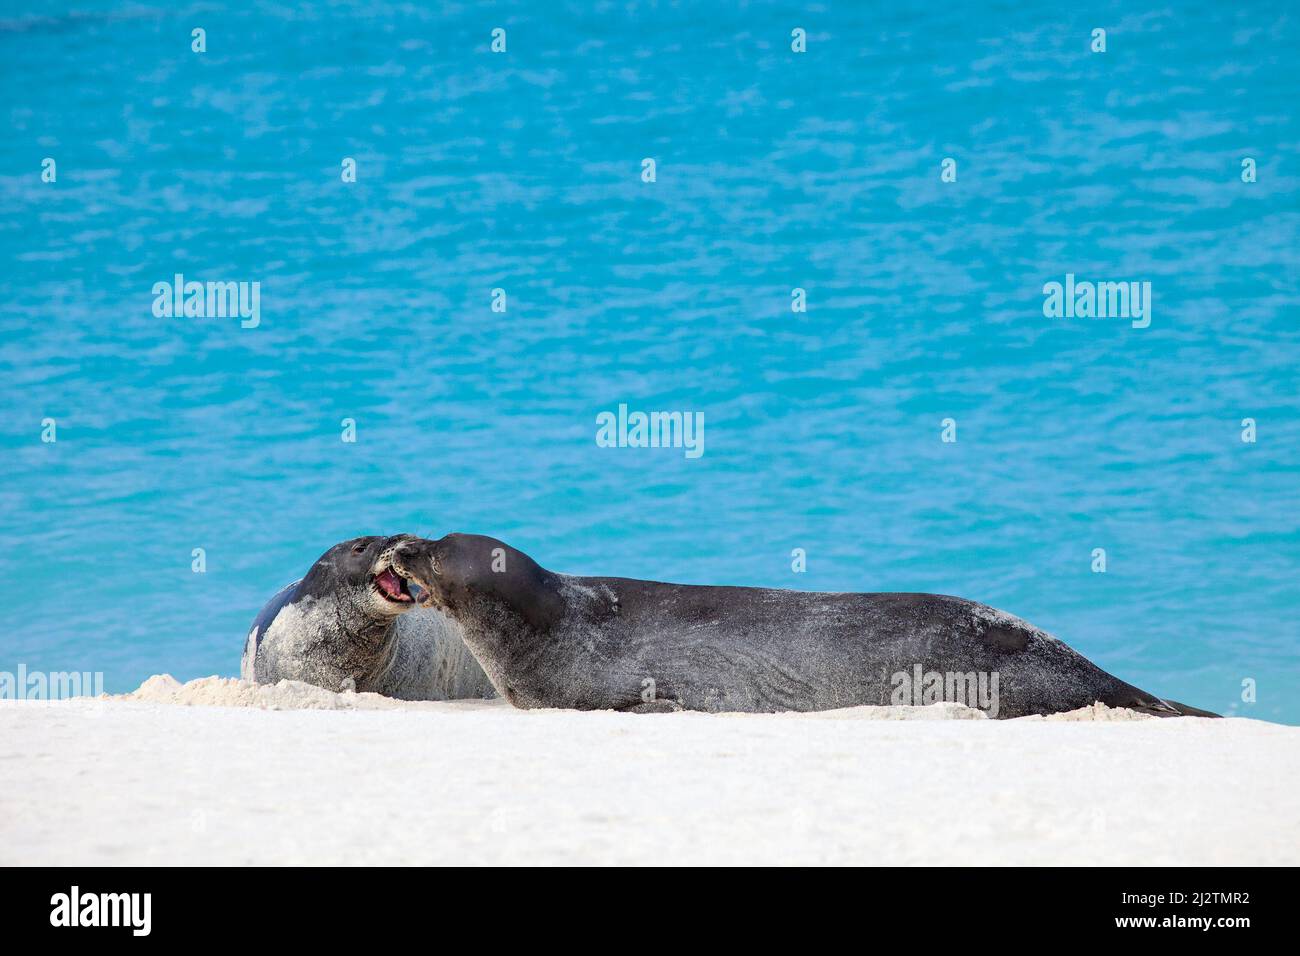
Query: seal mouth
[[393, 586]]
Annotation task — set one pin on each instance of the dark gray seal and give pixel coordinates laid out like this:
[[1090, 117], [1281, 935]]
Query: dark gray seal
[[555, 640], [352, 624]]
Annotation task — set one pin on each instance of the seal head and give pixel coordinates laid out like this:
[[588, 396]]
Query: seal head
[[333, 628], [463, 570], [364, 573]]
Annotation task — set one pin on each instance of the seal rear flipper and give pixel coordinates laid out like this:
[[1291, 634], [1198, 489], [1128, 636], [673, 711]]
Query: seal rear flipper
[[1167, 708], [1185, 711]]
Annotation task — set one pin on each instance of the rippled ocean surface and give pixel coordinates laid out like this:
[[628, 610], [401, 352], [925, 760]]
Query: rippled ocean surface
[[775, 170]]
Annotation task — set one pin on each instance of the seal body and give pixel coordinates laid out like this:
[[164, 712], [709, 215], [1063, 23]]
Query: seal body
[[352, 624], [555, 640]]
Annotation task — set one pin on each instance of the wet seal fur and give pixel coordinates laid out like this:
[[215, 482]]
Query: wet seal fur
[[352, 623], [556, 640]]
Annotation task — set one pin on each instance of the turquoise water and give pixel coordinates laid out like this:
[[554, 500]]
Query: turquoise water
[[774, 170]]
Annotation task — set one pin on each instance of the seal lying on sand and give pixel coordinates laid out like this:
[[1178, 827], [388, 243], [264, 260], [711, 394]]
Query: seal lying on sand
[[352, 623], [555, 640]]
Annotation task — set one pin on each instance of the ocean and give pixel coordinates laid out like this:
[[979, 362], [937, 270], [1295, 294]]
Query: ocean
[[837, 258]]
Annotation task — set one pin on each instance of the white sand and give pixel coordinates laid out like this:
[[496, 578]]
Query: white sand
[[295, 774]]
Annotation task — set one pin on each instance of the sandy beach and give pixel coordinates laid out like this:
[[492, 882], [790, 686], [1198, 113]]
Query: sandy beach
[[223, 772]]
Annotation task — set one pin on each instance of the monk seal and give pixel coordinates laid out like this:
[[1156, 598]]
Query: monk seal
[[556, 640], [352, 623]]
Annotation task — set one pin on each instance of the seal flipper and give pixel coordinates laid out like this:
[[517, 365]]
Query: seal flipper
[[1149, 704], [654, 707], [1183, 710]]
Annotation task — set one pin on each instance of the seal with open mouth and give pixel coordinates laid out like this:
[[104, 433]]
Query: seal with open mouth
[[352, 623], [555, 640]]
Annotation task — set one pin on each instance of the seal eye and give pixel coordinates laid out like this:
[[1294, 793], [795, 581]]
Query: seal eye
[[358, 549]]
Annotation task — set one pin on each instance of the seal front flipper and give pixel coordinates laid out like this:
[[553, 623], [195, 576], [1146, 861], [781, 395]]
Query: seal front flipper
[[654, 707]]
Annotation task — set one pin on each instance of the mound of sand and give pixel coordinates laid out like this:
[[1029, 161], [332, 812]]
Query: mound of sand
[[1099, 711], [296, 695]]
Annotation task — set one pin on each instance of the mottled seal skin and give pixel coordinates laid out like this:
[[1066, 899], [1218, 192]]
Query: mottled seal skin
[[555, 640], [352, 623]]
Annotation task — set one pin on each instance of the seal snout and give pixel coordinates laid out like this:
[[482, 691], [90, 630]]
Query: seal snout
[[414, 557]]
